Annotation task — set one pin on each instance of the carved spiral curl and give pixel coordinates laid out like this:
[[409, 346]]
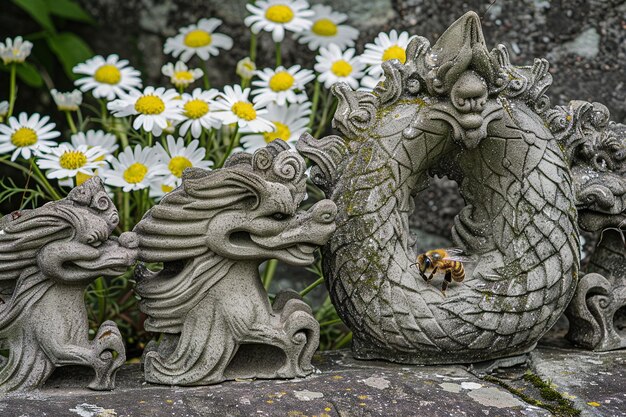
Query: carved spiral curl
[[262, 159], [289, 166]]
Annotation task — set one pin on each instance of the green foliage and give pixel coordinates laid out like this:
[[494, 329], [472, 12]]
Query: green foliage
[[66, 47], [70, 49]]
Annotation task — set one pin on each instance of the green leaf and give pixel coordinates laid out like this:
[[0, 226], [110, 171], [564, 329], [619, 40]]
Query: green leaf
[[38, 10], [29, 74], [69, 9], [70, 49]]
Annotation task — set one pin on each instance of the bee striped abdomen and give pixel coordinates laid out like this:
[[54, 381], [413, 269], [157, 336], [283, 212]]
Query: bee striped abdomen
[[458, 272]]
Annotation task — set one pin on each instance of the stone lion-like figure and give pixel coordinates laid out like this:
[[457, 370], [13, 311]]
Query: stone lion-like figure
[[596, 150], [211, 234], [48, 256]]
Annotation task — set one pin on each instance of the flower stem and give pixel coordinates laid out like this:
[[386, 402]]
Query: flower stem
[[252, 47], [12, 94], [322, 125], [311, 287], [234, 142], [44, 183], [149, 138], [126, 214], [205, 76], [268, 274], [70, 121], [103, 111], [53, 193], [279, 55], [316, 99]]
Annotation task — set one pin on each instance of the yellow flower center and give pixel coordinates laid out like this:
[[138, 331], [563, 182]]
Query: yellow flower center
[[281, 81], [282, 132], [279, 13], [108, 74], [324, 27], [244, 110], [195, 109], [72, 159], [178, 164], [81, 178], [394, 52], [149, 105], [341, 68], [166, 188], [197, 38], [24, 136], [183, 76], [135, 173]]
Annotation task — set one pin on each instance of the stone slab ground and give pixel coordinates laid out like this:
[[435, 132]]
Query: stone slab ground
[[342, 386]]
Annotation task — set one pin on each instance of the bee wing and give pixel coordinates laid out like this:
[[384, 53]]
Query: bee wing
[[454, 251], [459, 258]]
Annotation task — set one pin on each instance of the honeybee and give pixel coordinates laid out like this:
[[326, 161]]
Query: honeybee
[[449, 261]]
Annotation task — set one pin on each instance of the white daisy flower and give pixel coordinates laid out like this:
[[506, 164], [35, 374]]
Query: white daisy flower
[[197, 112], [368, 83], [26, 134], [134, 169], [385, 47], [246, 68], [108, 78], [67, 161], [327, 29], [15, 50], [178, 157], [199, 39], [290, 121], [276, 16], [69, 101], [233, 106], [158, 188], [99, 138], [180, 75], [154, 107], [280, 85], [335, 66]]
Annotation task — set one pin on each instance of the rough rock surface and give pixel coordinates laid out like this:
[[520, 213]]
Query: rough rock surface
[[594, 381], [341, 387]]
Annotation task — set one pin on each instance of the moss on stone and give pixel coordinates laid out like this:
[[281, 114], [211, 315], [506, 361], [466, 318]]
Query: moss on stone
[[551, 399]]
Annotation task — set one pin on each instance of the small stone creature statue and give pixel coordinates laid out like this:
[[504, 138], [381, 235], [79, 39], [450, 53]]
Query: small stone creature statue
[[460, 110], [597, 155], [211, 234], [48, 256]]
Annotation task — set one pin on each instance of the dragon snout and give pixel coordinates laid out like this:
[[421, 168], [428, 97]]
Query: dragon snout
[[324, 212], [598, 194]]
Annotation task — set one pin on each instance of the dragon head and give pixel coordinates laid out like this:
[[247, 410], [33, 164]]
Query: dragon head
[[599, 171], [596, 150], [247, 210]]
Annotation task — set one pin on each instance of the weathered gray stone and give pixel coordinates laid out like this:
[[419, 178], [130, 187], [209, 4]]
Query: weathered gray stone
[[48, 256], [454, 109], [593, 381], [212, 233], [598, 161], [341, 387]]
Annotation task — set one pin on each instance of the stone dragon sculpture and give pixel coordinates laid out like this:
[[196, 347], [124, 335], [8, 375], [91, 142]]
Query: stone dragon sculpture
[[208, 301], [48, 256], [597, 155], [456, 109]]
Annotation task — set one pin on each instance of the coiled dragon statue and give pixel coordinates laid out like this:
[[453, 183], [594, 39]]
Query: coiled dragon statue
[[455, 109]]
